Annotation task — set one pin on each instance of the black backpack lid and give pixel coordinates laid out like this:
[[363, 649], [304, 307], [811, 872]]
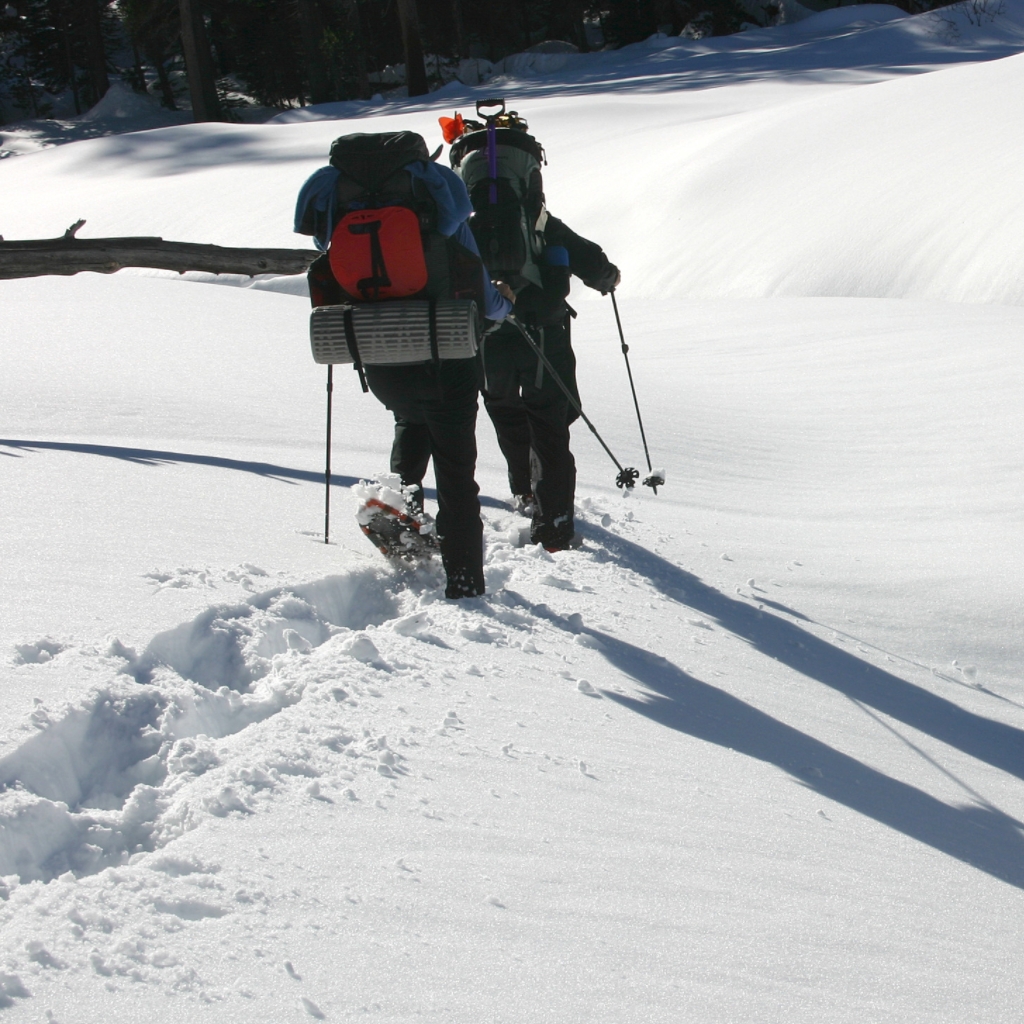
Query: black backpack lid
[[370, 159], [472, 141]]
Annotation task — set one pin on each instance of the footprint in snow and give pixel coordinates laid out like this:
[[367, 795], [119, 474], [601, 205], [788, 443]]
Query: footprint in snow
[[39, 954], [557, 582], [495, 902], [584, 687], [477, 634], [292, 973], [363, 649], [411, 625], [296, 641], [11, 988], [37, 653], [311, 1008]]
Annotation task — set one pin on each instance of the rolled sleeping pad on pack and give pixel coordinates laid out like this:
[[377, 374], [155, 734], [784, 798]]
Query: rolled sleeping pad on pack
[[394, 333]]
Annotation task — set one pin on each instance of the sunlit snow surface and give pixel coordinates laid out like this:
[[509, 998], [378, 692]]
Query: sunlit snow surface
[[754, 752]]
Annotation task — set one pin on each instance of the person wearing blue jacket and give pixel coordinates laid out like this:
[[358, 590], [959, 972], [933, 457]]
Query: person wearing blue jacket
[[434, 403]]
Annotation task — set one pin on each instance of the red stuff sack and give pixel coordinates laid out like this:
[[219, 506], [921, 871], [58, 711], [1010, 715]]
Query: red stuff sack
[[378, 254]]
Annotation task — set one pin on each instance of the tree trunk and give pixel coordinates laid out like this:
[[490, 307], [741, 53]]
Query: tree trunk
[[581, 34], [359, 43], [64, 31], [415, 71], [312, 31], [92, 26], [198, 62], [138, 72], [156, 58], [460, 28], [70, 255]]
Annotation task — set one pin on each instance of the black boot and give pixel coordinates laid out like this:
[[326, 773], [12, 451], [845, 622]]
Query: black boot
[[464, 583]]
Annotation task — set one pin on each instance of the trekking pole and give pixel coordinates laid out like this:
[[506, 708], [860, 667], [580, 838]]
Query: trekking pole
[[327, 471], [655, 480], [627, 476]]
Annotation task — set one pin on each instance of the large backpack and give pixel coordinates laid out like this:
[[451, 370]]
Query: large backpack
[[394, 285], [501, 166], [380, 224]]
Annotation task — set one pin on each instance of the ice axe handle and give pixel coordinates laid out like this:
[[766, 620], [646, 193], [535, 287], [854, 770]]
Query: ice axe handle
[[483, 104]]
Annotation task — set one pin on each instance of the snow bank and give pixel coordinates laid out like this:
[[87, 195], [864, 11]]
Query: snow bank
[[902, 188], [121, 102]]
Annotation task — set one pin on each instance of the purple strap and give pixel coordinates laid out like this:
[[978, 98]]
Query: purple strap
[[492, 161]]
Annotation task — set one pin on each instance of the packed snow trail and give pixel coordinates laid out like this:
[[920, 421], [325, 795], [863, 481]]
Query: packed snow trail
[[287, 701], [126, 740]]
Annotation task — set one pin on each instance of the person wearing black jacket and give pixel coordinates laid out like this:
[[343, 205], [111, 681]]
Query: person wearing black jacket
[[534, 254], [530, 412]]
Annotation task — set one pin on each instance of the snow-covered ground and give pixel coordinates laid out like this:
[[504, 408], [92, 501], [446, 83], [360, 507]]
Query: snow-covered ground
[[755, 752]]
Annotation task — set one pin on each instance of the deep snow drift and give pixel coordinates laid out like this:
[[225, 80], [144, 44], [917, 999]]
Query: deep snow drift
[[753, 753]]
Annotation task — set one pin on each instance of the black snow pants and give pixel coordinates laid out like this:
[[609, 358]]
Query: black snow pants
[[531, 416], [435, 410]]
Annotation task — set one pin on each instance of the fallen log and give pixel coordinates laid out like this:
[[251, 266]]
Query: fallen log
[[70, 255]]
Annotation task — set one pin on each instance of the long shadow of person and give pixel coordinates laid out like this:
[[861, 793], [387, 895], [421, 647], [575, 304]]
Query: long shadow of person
[[976, 834], [995, 743], [151, 457]]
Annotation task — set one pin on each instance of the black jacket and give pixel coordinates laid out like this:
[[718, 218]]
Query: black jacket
[[586, 260]]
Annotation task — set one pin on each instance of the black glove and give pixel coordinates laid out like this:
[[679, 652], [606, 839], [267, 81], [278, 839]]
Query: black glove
[[608, 280]]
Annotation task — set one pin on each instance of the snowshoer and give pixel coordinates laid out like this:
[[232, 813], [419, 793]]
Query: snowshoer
[[536, 253], [394, 227]]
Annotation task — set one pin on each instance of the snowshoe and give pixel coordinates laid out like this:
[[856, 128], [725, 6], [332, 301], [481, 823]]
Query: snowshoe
[[395, 533]]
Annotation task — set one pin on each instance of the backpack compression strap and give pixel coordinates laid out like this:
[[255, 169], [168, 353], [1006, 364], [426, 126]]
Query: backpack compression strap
[[353, 347], [378, 270]]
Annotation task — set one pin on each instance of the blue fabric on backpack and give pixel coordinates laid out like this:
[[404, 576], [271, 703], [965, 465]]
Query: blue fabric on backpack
[[444, 185], [447, 190], [319, 190]]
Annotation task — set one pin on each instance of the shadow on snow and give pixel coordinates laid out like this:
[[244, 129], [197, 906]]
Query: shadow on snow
[[992, 742], [148, 457], [977, 834]]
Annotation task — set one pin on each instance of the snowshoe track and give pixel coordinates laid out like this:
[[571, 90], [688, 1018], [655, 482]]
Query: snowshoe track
[[179, 733]]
